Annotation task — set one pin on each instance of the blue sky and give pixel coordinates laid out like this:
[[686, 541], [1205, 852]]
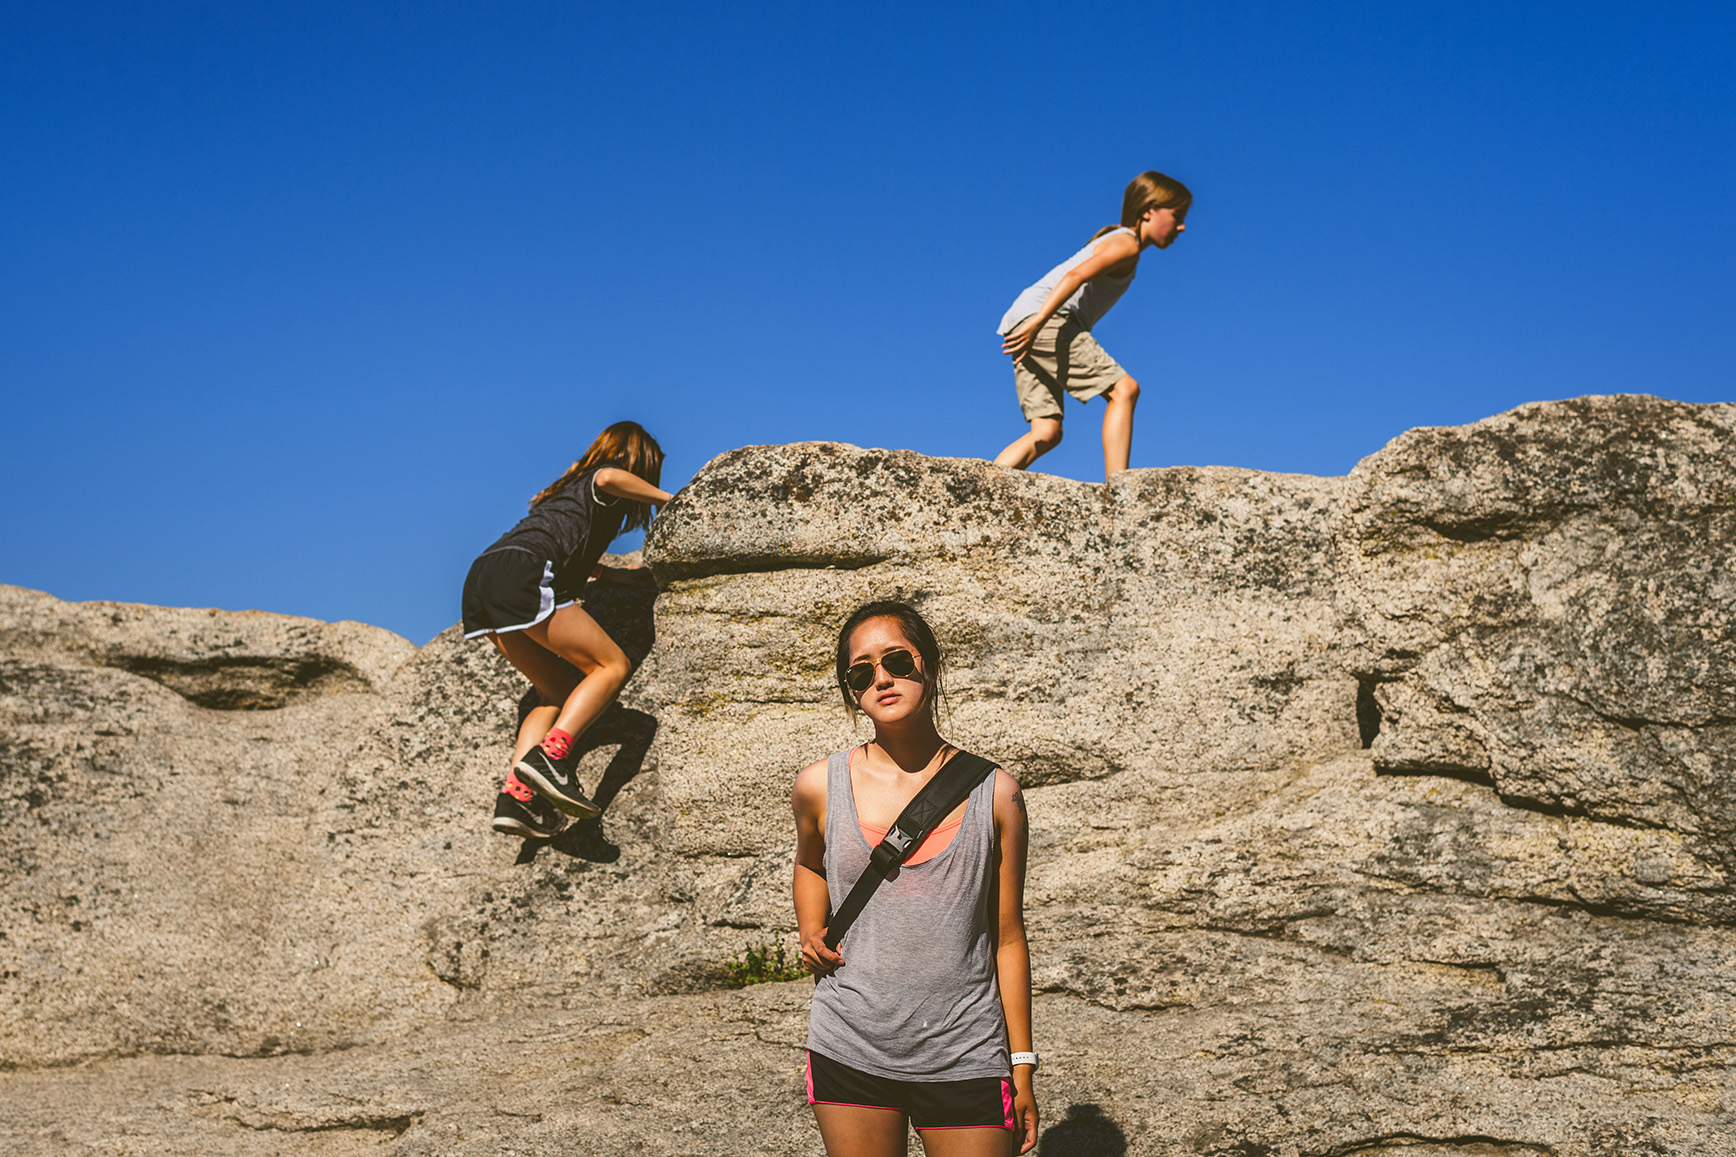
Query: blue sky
[[300, 303]]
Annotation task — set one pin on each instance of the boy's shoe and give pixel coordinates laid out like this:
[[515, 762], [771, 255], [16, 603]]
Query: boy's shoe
[[519, 811], [558, 781]]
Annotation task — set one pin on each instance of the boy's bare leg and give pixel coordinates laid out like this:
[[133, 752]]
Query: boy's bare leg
[[1118, 426], [1045, 435]]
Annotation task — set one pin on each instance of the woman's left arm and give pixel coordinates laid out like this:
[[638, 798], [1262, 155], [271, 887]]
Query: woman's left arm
[[612, 480], [1012, 951]]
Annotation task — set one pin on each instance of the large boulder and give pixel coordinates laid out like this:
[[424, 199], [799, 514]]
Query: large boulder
[[1172, 627], [1379, 815], [1542, 601]]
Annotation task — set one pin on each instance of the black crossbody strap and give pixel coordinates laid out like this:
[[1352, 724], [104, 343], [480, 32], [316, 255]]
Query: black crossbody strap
[[951, 786]]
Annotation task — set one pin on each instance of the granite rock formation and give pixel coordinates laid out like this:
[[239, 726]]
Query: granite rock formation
[[1388, 814]]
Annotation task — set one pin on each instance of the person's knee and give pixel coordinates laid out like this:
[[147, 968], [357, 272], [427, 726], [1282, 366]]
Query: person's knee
[[1046, 433], [1126, 390], [612, 669]]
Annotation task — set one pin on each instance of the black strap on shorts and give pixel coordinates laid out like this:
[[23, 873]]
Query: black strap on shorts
[[951, 786]]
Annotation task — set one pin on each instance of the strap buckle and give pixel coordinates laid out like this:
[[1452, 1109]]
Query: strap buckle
[[889, 853]]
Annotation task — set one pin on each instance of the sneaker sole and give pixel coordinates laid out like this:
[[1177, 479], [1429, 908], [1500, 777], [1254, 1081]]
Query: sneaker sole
[[507, 826], [580, 807]]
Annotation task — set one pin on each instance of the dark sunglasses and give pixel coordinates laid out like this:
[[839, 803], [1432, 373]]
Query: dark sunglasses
[[899, 664]]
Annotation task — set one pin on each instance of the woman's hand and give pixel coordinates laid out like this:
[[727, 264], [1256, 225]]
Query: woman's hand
[[1024, 1109], [1019, 338], [816, 957]]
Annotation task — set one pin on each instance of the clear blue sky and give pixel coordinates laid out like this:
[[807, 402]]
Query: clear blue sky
[[299, 303]]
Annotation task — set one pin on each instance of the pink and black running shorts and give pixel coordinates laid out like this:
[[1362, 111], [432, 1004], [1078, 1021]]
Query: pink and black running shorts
[[975, 1103]]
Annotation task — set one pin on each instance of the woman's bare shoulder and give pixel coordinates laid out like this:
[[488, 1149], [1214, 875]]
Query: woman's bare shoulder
[[810, 782]]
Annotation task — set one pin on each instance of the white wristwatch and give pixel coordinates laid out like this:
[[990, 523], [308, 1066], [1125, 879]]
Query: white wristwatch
[[1026, 1059]]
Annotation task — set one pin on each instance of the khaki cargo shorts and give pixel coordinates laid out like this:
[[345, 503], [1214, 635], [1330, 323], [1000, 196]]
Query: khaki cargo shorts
[[1063, 356]]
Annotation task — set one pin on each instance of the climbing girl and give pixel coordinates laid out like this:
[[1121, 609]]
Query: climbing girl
[[523, 592], [916, 1008], [1048, 329]]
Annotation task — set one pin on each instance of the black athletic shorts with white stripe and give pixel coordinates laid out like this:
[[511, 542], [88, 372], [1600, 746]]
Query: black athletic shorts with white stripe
[[509, 590]]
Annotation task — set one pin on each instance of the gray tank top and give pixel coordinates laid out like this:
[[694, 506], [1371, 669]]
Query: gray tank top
[[1089, 302], [916, 999]]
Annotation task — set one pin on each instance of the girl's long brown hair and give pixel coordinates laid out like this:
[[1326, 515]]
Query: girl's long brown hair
[[625, 446], [1149, 190]]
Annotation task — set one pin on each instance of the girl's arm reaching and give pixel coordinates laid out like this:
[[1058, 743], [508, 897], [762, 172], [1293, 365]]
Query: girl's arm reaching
[[1012, 951], [1110, 251], [813, 902], [626, 484]]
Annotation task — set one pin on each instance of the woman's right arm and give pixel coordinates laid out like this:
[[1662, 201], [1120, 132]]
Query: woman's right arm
[[618, 483], [1110, 251], [813, 901]]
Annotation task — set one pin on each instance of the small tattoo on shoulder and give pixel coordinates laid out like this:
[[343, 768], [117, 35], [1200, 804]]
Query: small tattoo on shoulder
[[1019, 798]]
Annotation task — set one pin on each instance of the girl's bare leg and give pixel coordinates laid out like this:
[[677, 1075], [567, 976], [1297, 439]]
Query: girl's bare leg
[[1118, 426], [576, 637], [858, 1131], [1045, 435], [968, 1142], [553, 679], [537, 722]]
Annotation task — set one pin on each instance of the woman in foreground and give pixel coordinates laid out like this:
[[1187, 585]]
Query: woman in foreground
[[914, 1012]]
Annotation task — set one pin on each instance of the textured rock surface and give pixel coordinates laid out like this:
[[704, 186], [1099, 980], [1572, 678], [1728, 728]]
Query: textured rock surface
[[1380, 815], [1545, 606]]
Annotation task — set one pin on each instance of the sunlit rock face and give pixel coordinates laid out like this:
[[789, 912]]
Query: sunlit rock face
[[1388, 814], [1542, 601]]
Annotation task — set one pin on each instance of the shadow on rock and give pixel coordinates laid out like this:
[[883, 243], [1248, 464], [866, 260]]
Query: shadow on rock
[[1086, 1132], [624, 610], [633, 731]]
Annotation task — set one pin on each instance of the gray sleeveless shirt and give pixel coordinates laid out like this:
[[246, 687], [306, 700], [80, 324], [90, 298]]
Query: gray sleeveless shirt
[[1089, 302], [916, 999]]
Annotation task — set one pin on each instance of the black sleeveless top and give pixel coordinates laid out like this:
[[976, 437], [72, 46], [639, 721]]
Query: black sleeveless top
[[572, 527]]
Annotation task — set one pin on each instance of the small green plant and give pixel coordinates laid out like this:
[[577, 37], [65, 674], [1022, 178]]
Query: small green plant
[[761, 963]]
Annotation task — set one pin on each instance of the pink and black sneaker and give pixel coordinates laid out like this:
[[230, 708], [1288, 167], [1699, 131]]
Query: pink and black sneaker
[[519, 811], [557, 781]]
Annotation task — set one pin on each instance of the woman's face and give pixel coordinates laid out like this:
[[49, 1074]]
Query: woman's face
[[889, 698]]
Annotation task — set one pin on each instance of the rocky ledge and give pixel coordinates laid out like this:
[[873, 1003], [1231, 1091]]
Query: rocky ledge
[[1387, 814]]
